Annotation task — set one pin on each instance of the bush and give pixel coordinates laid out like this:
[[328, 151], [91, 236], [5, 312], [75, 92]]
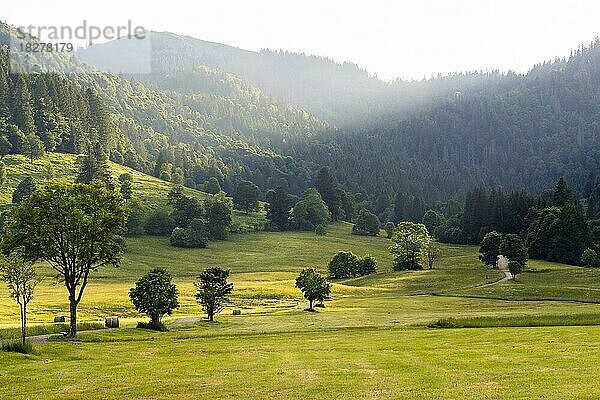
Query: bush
[[343, 265], [195, 236], [515, 268], [346, 265], [18, 347], [321, 230], [590, 259], [137, 218], [179, 238], [23, 190], [153, 326], [389, 229], [159, 223], [366, 265]]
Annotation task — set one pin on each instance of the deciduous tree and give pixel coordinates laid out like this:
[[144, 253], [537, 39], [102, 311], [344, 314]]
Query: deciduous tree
[[73, 228], [212, 290], [21, 279], [314, 286], [155, 295], [410, 242]]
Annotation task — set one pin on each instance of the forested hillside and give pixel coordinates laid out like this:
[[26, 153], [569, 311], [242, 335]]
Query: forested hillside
[[275, 117], [230, 136], [434, 139]]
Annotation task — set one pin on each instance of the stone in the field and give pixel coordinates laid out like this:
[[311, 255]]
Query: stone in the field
[[59, 318], [237, 312], [111, 322]]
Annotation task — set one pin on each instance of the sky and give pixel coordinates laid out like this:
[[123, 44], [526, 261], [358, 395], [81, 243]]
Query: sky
[[410, 39]]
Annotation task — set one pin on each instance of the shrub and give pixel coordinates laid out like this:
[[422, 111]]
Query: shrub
[[197, 234], [23, 190], [18, 347], [154, 326], [137, 218], [589, 258], [159, 223], [515, 268], [366, 265], [343, 265], [321, 230], [346, 265], [179, 238], [389, 229]]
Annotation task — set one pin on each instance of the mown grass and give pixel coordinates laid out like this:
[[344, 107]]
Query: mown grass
[[518, 321], [357, 363], [370, 341], [544, 280]]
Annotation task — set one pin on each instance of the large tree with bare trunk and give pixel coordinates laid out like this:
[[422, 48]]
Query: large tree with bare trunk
[[73, 228]]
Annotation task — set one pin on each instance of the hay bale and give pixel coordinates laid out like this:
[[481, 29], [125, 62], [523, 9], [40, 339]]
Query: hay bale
[[59, 318], [111, 322], [237, 312]]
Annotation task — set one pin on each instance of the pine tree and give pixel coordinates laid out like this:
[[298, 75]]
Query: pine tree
[[278, 209], [22, 108], [4, 93], [94, 166], [562, 193], [572, 236], [327, 188]]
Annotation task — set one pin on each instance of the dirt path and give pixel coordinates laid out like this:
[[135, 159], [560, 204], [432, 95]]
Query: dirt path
[[43, 339], [186, 321], [502, 266]]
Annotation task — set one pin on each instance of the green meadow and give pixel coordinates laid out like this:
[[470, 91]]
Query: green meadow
[[371, 341], [447, 333]]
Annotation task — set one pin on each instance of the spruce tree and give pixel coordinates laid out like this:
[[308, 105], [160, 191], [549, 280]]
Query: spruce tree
[[278, 209], [572, 236], [22, 108], [327, 188], [562, 193]]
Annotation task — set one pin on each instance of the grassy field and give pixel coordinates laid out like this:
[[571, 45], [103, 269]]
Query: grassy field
[[538, 336], [150, 190], [371, 341]]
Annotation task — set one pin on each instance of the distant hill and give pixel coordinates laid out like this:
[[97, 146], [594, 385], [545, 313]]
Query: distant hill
[[275, 117]]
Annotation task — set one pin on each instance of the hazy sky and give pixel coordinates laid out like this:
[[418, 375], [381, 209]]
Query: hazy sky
[[409, 39]]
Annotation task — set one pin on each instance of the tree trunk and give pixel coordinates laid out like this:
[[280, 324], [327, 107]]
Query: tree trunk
[[73, 317], [23, 310], [210, 316], [310, 305]]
